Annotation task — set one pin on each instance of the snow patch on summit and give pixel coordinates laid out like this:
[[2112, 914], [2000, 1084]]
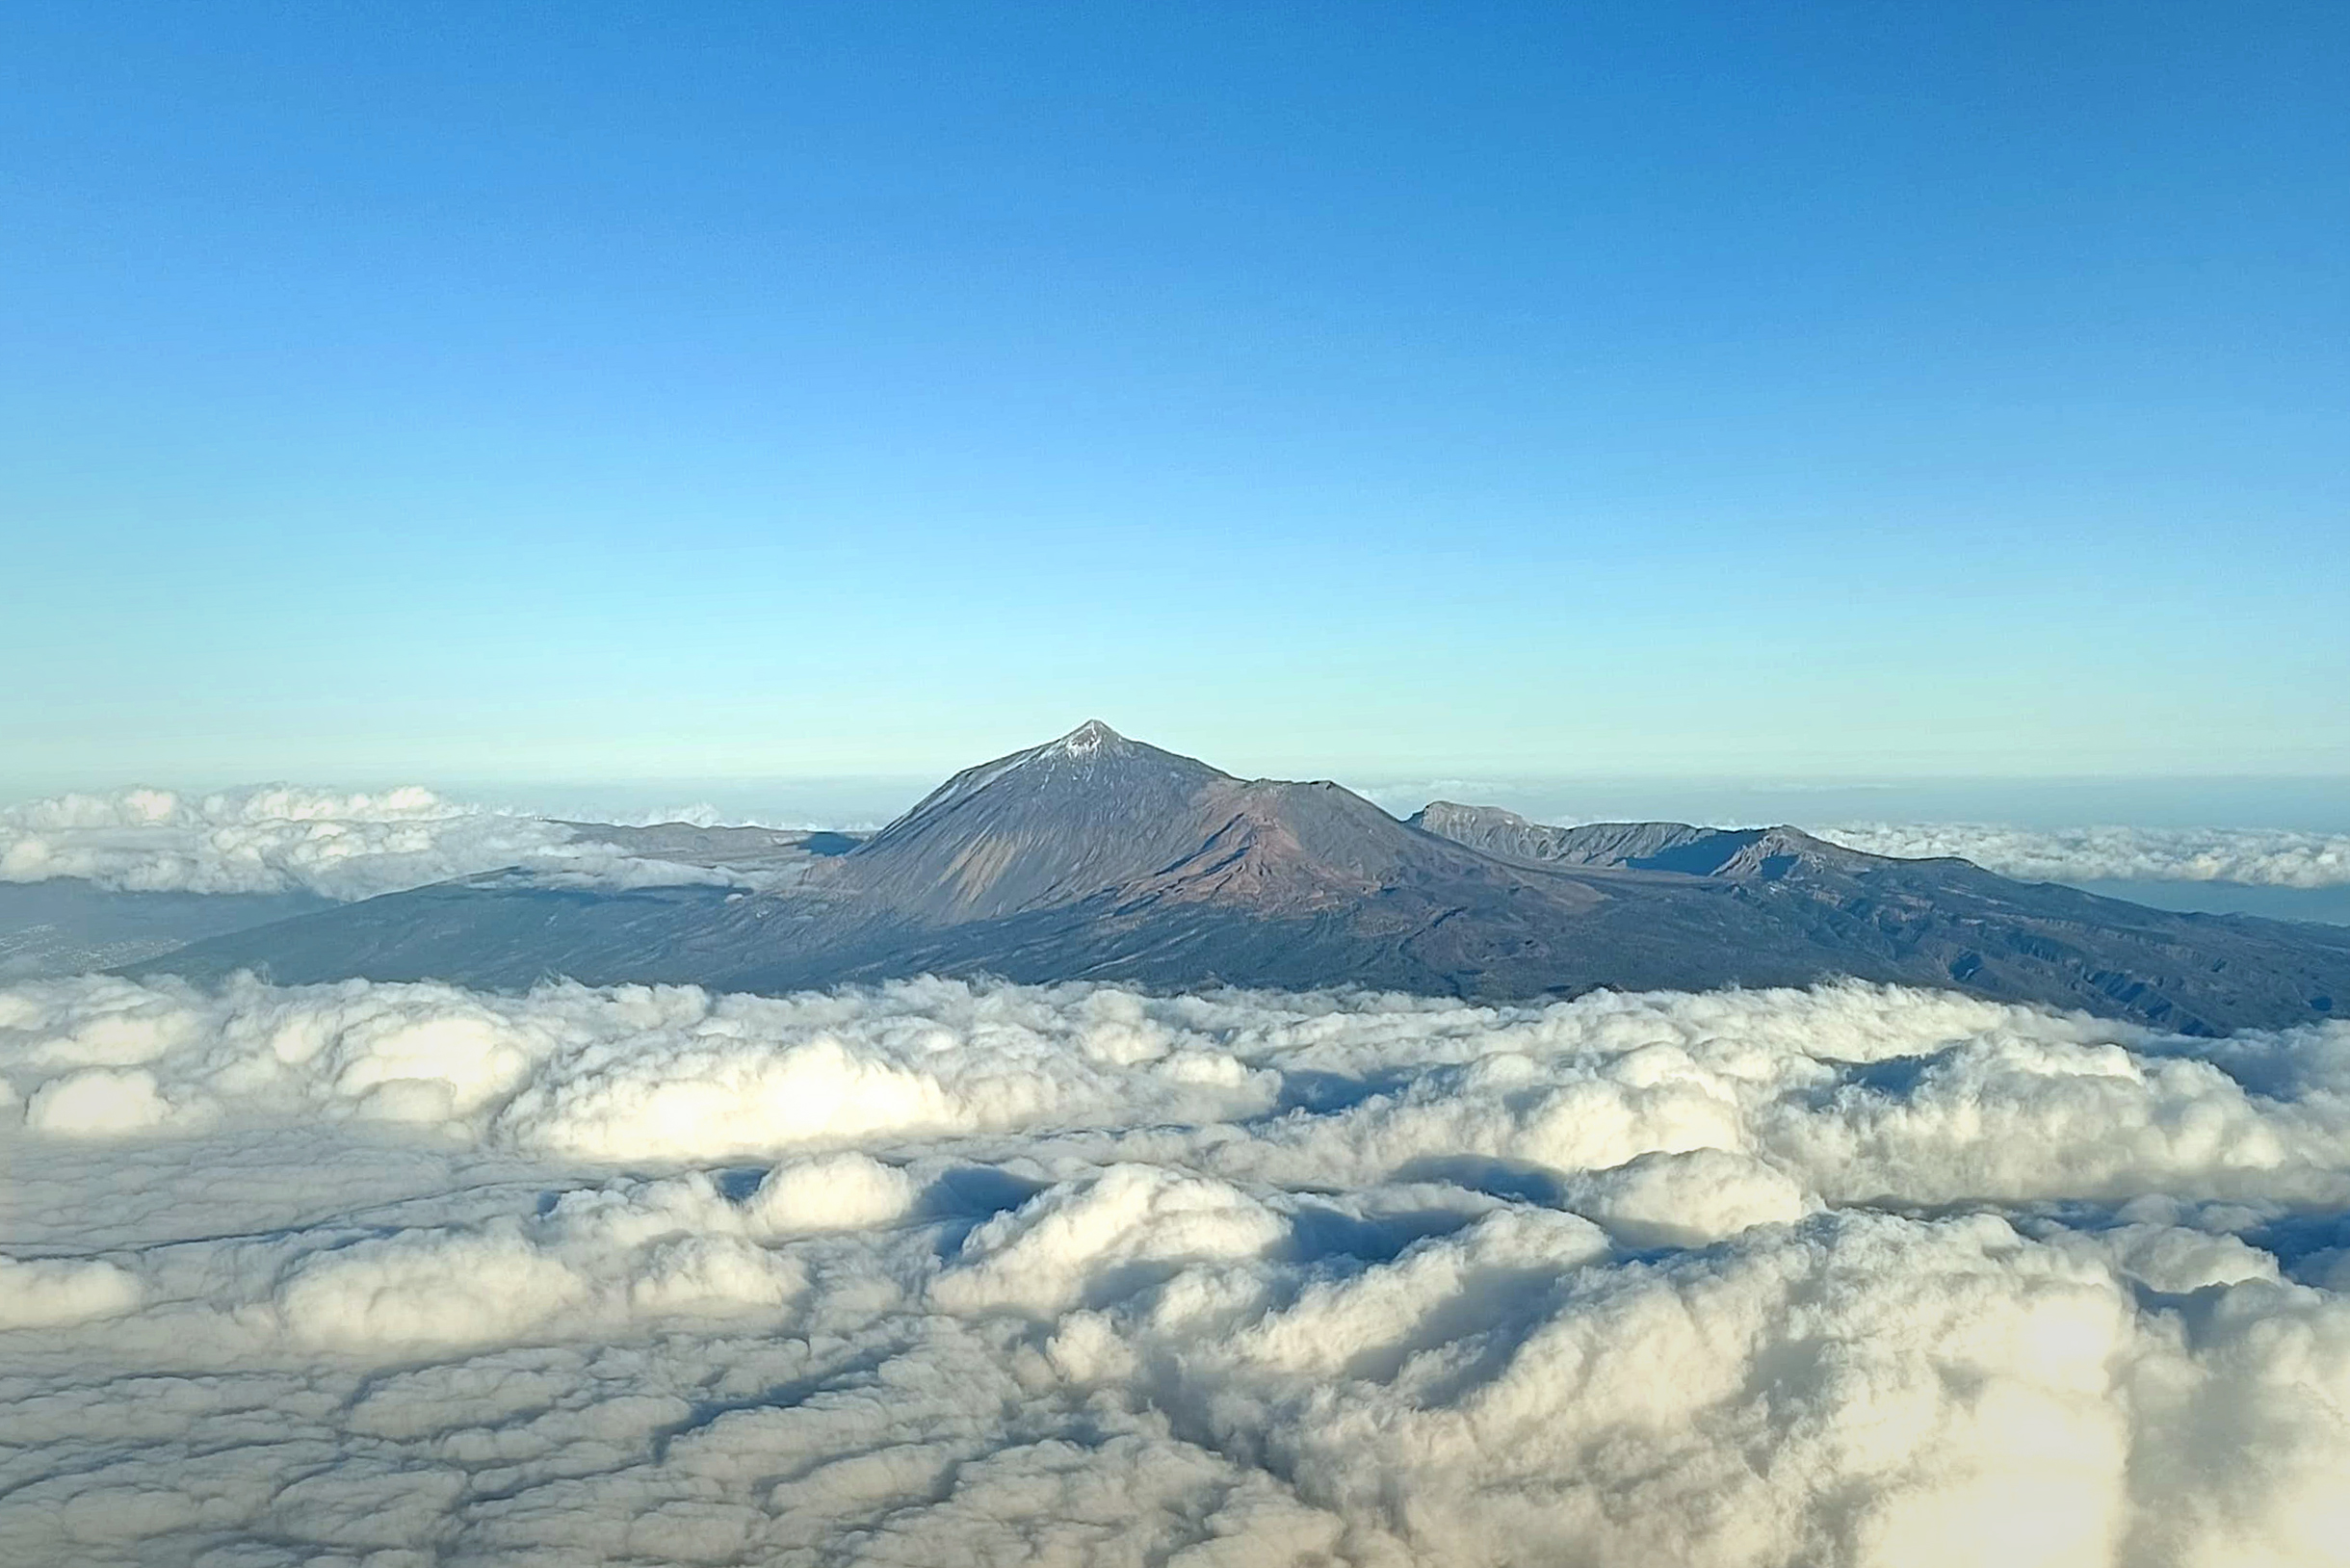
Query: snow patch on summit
[[1085, 740]]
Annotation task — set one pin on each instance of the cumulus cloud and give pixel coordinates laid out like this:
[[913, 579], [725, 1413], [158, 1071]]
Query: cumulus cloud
[[2262, 857], [279, 839], [942, 1273], [38, 1295]]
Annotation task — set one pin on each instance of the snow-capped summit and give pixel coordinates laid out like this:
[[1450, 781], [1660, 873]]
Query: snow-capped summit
[[1088, 810], [1086, 739]]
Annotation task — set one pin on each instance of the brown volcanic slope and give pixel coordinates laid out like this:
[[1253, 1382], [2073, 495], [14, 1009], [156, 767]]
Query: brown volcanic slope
[[1097, 858], [1094, 813]]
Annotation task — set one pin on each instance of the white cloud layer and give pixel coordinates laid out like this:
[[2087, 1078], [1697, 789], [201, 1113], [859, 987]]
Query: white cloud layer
[[2260, 857], [279, 839], [282, 839], [941, 1273]]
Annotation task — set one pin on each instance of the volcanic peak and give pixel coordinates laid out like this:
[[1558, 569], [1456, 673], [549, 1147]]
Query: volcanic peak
[[1096, 857], [1086, 739]]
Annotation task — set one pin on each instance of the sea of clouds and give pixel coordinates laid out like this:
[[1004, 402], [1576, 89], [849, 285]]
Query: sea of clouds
[[2254, 856], [284, 839], [340, 844], [943, 1274]]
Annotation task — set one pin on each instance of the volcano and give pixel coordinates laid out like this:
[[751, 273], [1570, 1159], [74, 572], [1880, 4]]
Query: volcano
[[1096, 857]]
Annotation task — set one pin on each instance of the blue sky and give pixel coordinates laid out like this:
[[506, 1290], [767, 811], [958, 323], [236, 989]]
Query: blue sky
[[525, 392]]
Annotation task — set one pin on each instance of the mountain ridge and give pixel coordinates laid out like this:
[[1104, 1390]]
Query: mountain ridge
[[1639, 846], [1093, 857]]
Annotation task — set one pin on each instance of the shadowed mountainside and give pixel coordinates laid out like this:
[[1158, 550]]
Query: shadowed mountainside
[[1098, 857], [69, 927]]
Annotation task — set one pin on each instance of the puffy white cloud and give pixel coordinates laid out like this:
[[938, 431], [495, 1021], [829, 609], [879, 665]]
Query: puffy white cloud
[[36, 1293], [831, 1192], [97, 1100], [2268, 857], [940, 1273], [279, 839], [1041, 1257]]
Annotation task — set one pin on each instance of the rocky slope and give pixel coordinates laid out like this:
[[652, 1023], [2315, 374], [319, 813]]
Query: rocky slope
[[1095, 856]]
